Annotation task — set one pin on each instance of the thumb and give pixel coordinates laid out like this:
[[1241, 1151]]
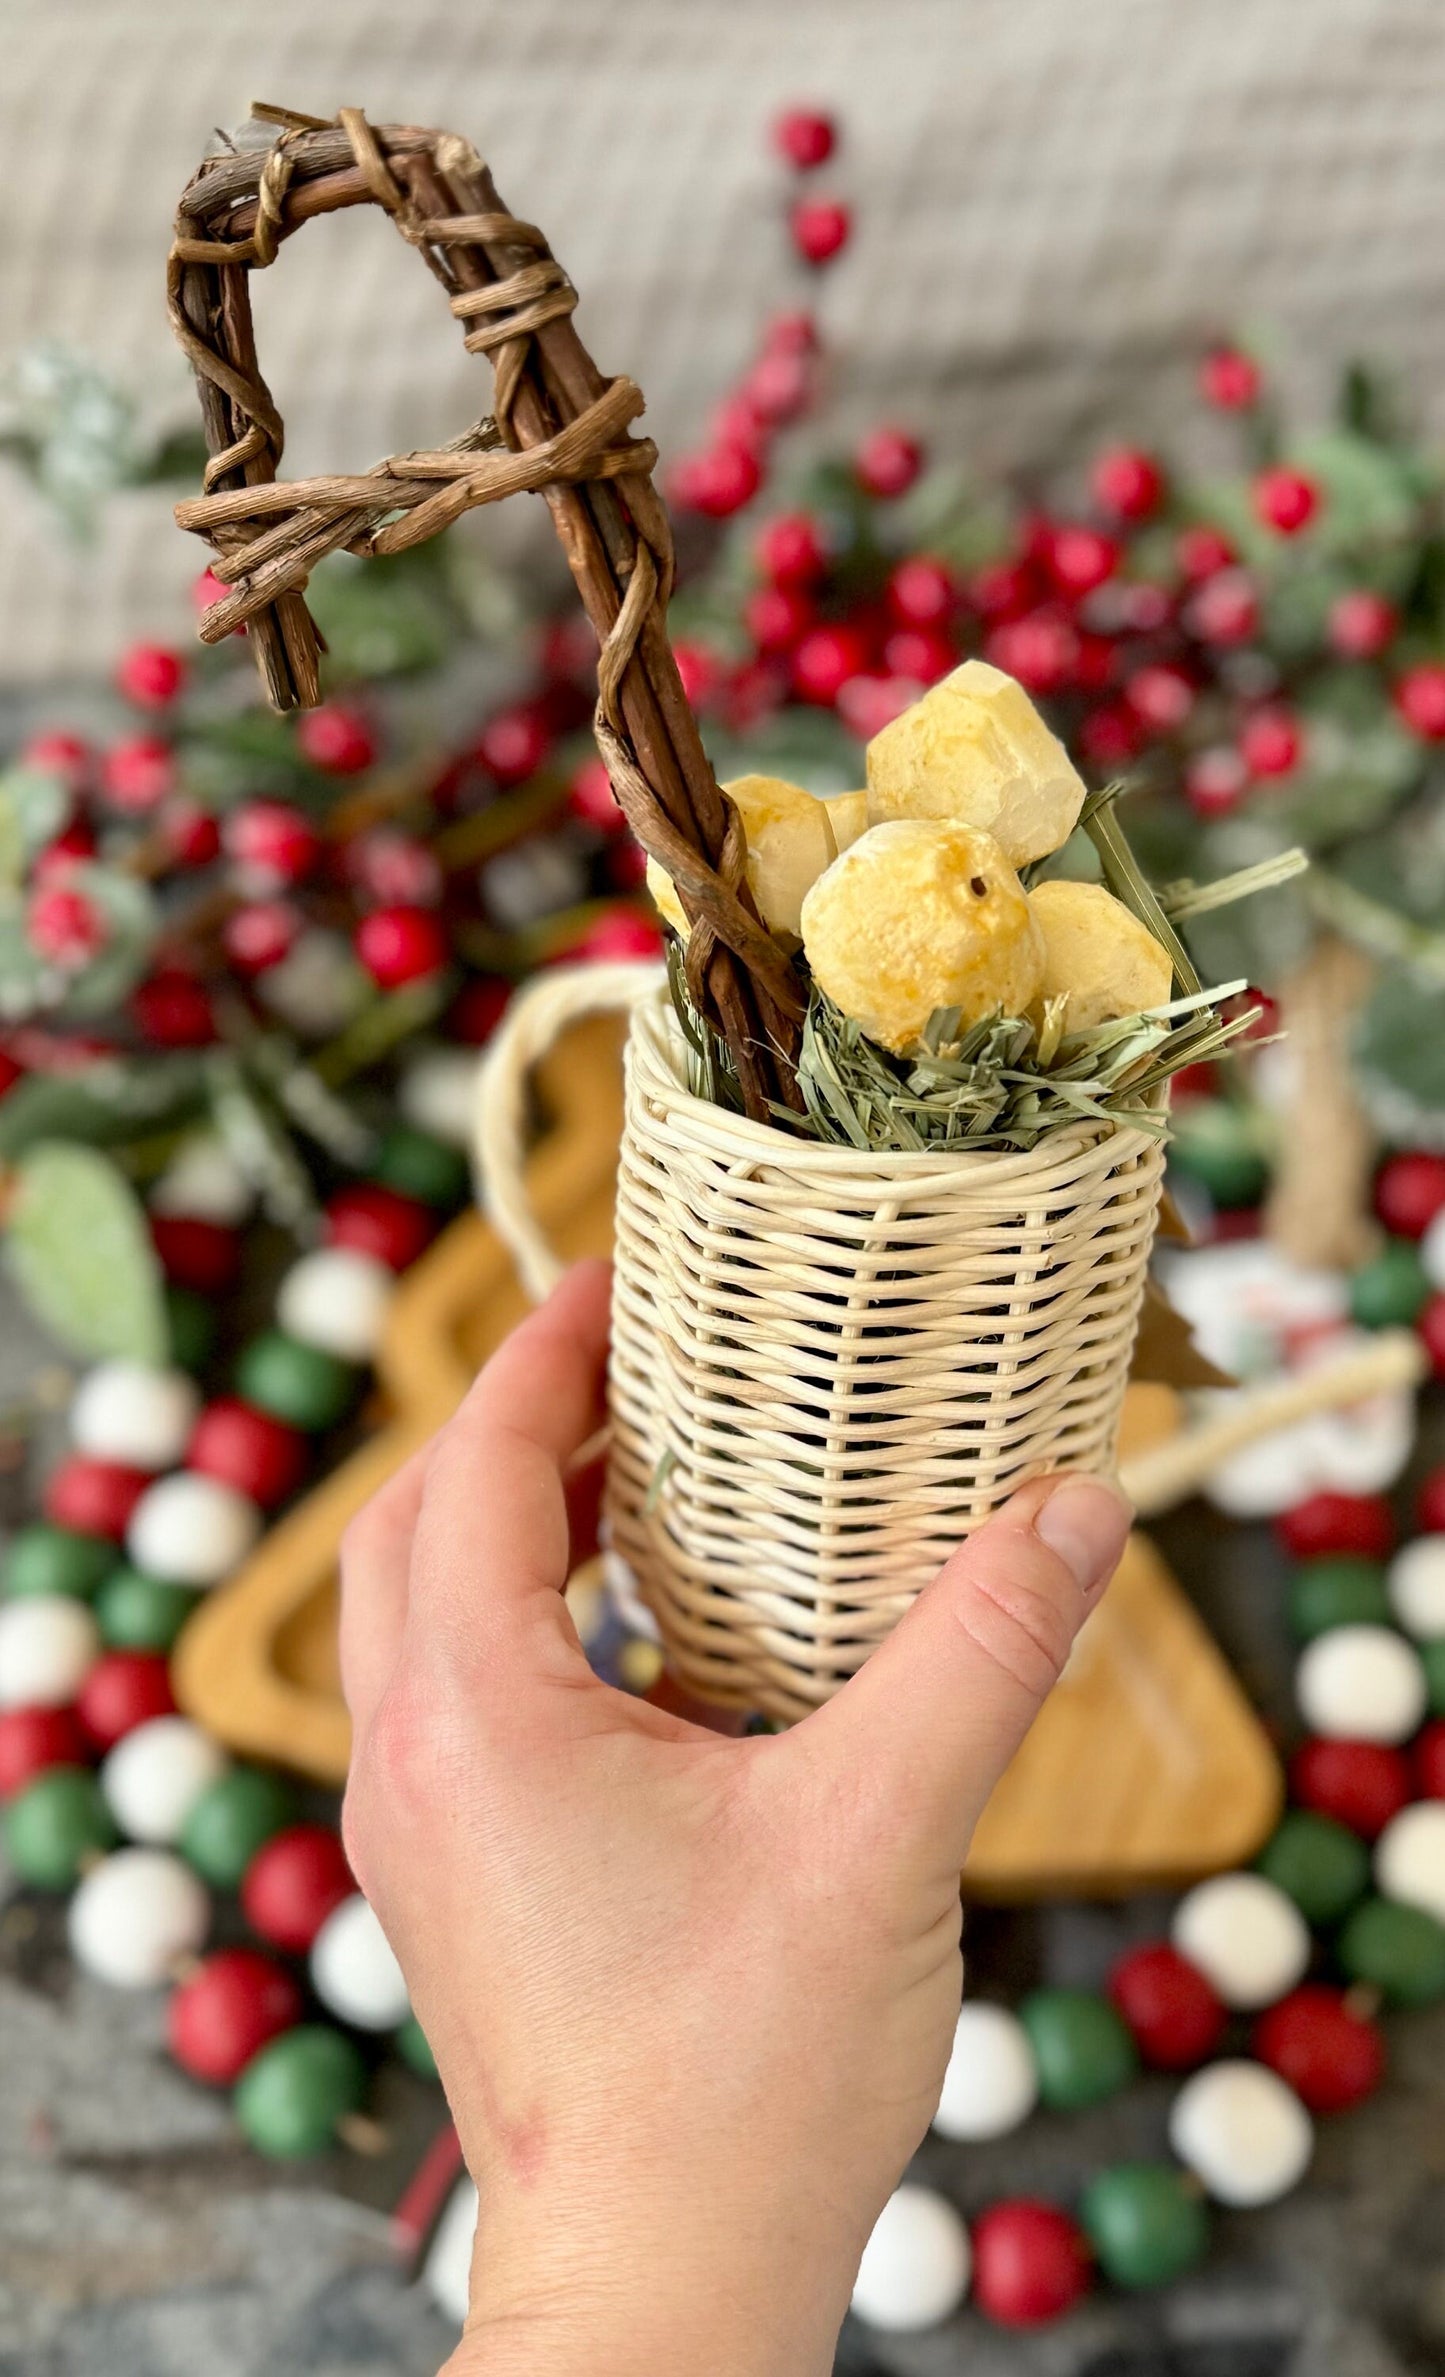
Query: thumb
[[932, 1719]]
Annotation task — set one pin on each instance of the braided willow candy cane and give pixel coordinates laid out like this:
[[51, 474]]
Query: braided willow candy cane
[[558, 428]]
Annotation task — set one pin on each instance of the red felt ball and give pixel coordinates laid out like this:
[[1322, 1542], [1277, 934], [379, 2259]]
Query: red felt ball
[[777, 388], [93, 1497], [248, 1449], [1410, 1191], [336, 739], [1431, 1325], [1161, 695], [805, 137], [272, 843], [191, 834], [1420, 699], [64, 925], [1331, 2055], [1127, 482], [1270, 743], [1176, 2018], [1285, 499], [204, 1256], [887, 462], [1202, 552], [173, 1010], [225, 2012], [921, 592], [514, 744], [776, 617], [293, 1883], [1428, 1755], [1361, 623], [379, 1221], [1430, 1503], [401, 945], [1079, 559], [137, 774], [1031, 2263], [590, 796], [52, 752], [819, 228], [719, 481], [478, 1008], [1326, 1522], [824, 661], [123, 1689], [1039, 650], [792, 549], [1360, 1783], [1226, 608], [31, 1739], [151, 676], [1230, 380]]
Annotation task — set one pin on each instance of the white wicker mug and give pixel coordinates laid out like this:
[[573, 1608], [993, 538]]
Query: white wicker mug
[[826, 1366]]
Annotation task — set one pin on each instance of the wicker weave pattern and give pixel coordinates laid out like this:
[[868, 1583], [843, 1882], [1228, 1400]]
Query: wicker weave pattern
[[827, 1367]]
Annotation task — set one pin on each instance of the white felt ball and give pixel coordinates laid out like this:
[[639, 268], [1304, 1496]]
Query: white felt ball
[[448, 2269], [204, 1182], [156, 1773], [135, 1915], [1243, 2133], [354, 1972], [1410, 1857], [1432, 1251], [1246, 1937], [336, 1299], [191, 1530], [438, 1093], [1416, 1581], [1361, 1683], [126, 1411], [48, 1645], [991, 2085], [916, 2265]]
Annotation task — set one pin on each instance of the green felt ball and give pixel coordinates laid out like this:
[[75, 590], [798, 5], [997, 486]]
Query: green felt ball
[[299, 1384], [414, 2048], [231, 1820], [1218, 1144], [1082, 2047], [1432, 1659], [291, 2096], [1391, 1290], [46, 1559], [141, 1613], [1341, 1590], [1145, 2222], [55, 1825], [1318, 1863], [1399, 1950], [192, 1326], [419, 1166]]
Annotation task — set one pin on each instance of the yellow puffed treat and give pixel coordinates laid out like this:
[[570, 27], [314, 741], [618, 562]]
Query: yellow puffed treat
[[848, 816], [976, 749], [1097, 955], [790, 841], [919, 915]]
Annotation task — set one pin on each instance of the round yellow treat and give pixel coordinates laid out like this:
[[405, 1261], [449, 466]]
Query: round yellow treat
[[919, 915], [1097, 955], [790, 841], [848, 817], [976, 749]]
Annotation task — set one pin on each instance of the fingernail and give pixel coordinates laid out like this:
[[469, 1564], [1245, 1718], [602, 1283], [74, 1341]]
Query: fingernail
[[1086, 1521]]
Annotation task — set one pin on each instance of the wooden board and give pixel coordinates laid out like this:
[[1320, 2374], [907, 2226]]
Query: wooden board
[[1147, 1766]]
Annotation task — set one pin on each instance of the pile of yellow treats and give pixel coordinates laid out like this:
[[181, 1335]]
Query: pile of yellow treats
[[906, 897]]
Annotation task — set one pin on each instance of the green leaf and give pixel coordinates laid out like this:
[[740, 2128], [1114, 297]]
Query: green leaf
[[130, 913], [81, 1254], [1400, 1050], [32, 812], [107, 1104]]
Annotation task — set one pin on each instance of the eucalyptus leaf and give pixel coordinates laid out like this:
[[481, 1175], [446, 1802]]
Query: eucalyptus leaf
[[1400, 1052], [80, 1252], [130, 913], [106, 1105], [33, 806]]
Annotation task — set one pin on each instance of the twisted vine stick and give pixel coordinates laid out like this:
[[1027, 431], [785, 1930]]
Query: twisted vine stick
[[558, 428]]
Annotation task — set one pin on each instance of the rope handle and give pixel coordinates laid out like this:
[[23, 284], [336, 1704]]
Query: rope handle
[[535, 1019]]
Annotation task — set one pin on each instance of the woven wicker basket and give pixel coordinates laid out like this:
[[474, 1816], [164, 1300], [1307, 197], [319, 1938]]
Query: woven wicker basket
[[827, 1367]]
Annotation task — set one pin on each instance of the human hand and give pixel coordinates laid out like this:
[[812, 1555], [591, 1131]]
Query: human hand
[[691, 1997]]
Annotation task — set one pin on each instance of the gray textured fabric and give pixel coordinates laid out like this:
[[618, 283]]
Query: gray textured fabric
[[1053, 199]]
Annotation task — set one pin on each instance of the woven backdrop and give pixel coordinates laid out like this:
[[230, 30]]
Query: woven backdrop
[[1053, 199]]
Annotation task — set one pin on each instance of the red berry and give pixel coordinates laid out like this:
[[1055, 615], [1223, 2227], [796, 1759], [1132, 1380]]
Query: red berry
[[1111, 736], [921, 592], [93, 1497], [1127, 482], [1040, 651], [918, 653], [248, 1449], [31, 1739], [701, 672], [192, 834], [1216, 781], [870, 701], [1271, 743], [137, 774], [794, 333], [819, 228], [1202, 552], [272, 843], [1031, 2263], [294, 1881], [1431, 1325], [123, 1689], [1003, 590], [379, 1221], [1430, 1503], [204, 1256], [1079, 559], [1420, 699], [824, 661], [1428, 1755], [1161, 695], [208, 589], [775, 390], [1327, 1522], [617, 938], [626, 864], [10, 1072], [1361, 623], [792, 549], [55, 753], [401, 945], [1226, 609], [151, 676], [1331, 2056], [514, 744], [70, 848], [776, 616], [478, 1009], [260, 934], [719, 481], [1176, 2018], [1285, 499], [805, 138], [395, 868], [887, 462], [590, 796], [1360, 1783], [1410, 1191], [1230, 380], [225, 2011], [64, 925], [337, 739], [173, 1010], [1194, 1081]]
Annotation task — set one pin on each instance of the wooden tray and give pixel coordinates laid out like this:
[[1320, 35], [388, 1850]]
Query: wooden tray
[[1147, 1765]]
